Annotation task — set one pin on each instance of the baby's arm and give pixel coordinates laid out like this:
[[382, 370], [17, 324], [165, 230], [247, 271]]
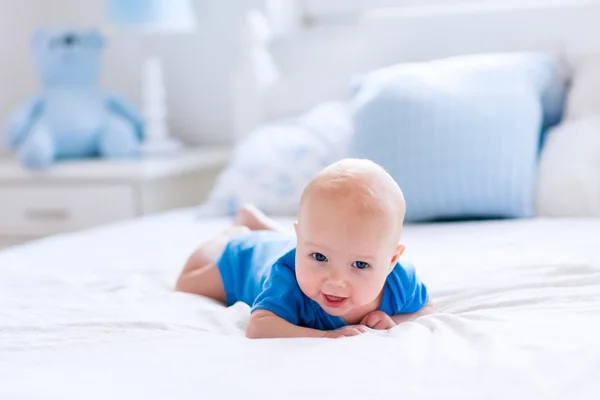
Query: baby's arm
[[380, 320], [265, 324], [408, 299], [401, 318]]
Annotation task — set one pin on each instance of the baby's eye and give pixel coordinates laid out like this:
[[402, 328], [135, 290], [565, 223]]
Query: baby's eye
[[360, 264], [319, 257]]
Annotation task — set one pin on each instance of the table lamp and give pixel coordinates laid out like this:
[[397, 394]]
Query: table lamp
[[153, 17]]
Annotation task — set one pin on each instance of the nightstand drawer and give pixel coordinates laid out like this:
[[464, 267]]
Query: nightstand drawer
[[30, 210]]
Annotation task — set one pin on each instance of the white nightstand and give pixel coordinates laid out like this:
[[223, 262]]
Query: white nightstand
[[81, 194]]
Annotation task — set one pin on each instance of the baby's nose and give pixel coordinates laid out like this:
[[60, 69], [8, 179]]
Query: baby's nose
[[336, 279]]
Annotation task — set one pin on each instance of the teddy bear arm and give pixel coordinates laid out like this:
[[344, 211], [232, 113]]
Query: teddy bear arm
[[120, 107], [22, 121]]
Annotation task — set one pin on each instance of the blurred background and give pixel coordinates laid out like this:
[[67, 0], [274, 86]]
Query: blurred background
[[479, 109], [197, 64]]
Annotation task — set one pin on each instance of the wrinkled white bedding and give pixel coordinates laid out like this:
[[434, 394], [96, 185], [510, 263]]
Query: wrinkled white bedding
[[92, 315]]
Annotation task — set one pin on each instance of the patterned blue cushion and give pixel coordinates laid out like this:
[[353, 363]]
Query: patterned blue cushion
[[271, 166], [461, 136]]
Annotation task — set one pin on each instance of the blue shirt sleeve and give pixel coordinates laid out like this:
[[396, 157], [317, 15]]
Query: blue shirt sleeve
[[281, 294], [406, 294]]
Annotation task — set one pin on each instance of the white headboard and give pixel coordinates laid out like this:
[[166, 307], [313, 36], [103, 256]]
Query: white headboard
[[288, 74]]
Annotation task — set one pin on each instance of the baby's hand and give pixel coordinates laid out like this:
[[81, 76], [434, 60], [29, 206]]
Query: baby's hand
[[350, 330], [378, 320]]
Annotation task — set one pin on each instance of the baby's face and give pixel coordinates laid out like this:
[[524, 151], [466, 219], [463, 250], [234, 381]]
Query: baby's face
[[343, 257]]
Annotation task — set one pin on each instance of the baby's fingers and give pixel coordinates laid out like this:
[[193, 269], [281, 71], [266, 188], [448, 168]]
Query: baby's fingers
[[352, 332], [370, 320], [355, 330], [383, 325], [347, 331]]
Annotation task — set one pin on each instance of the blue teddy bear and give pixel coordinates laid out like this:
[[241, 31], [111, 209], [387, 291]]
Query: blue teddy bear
[[72, 117]]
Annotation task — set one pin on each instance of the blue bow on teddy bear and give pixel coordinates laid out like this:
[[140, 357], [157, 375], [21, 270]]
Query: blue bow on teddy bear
[[72, 117]]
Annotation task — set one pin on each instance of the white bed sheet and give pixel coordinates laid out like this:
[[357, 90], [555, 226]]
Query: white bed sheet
[[92, 315]]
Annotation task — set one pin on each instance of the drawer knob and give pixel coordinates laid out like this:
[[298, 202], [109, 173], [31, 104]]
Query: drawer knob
[[49, 214]]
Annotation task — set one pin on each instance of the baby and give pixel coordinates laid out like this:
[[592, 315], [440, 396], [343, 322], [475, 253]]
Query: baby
[[337, 276]]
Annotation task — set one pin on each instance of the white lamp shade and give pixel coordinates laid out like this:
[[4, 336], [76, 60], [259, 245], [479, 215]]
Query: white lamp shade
[[152, 15]]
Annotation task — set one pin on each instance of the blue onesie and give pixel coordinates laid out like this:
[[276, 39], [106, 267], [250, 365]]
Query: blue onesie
[[258, 268]]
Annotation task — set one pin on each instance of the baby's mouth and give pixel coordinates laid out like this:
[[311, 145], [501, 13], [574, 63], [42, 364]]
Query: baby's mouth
[[334, 301]]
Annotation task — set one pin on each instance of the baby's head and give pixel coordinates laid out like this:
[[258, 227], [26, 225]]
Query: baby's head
[[349, 225]]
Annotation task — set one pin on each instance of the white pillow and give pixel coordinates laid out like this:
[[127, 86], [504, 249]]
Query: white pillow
[[271, 166], [584, 94], [568, 183]]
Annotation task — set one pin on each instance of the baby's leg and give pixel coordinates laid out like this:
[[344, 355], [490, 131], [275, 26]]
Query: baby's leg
[[253, 218], [200, 274]]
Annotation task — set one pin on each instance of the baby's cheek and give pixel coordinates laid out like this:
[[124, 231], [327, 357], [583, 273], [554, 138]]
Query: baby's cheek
[[368, 294], [307, 282], [368, 290]]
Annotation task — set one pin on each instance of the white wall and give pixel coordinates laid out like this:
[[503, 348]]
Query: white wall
[[197, 66], [16, 71]]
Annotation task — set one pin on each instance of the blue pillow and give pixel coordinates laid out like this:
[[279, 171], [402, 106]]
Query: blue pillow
[[461, 135]]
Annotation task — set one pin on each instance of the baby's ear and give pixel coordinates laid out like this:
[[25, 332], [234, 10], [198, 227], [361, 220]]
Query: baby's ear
[[397, 254], [296, 227]]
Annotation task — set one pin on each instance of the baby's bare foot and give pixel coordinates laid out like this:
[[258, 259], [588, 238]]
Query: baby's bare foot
[[235, 230], [250, 216]]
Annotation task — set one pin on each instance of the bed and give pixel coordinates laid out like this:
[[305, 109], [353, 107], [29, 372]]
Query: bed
[[84, 316], [93, 314]]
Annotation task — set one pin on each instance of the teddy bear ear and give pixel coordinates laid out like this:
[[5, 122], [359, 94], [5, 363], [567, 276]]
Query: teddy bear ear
[[96, 39]]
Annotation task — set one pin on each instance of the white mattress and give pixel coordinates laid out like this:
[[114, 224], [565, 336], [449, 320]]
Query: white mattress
[[92, 315]]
